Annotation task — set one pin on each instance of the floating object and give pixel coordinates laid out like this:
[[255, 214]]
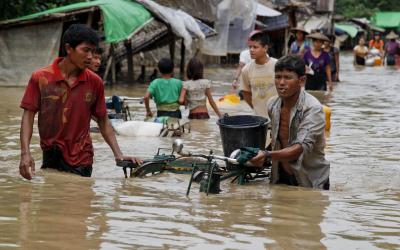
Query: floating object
[[138, 128], [161, 126], [231, 99], [374, 58], [377, 61], [373, 61], [327, 111]]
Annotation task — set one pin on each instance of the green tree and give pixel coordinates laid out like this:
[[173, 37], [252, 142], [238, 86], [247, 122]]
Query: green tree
[[17, 8], [364, 8]]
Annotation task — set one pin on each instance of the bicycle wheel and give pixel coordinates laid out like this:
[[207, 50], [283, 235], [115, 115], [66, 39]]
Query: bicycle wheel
[[148, 168]]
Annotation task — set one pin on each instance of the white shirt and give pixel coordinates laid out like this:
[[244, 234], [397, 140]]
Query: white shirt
[[260, 81]]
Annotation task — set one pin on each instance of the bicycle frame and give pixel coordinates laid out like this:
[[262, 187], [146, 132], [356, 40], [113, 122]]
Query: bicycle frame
[[203, 168]]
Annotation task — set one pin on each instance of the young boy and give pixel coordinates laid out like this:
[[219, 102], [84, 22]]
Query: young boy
[[257, 78], [96, 60], [115, 101], [165, 91]]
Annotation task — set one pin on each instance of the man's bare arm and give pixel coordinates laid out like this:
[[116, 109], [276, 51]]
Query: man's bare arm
[[109, 136], [27, 164], [247, 96]]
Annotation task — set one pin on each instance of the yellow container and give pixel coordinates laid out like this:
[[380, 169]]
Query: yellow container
[[327, 111], [378, 61]]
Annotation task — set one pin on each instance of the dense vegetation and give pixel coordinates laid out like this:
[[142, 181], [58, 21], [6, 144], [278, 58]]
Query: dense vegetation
[[347, 8], [364, 8], [16, 8]]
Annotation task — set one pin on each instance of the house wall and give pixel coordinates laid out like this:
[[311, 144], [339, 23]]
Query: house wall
[[24, 49]]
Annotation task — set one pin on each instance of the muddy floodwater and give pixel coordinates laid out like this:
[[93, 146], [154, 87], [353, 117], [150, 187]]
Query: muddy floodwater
[[361, 211]]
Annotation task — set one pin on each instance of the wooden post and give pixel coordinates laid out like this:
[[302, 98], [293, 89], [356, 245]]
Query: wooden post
[[109, 63], [182, 64], [89, 19], [285, 48], [129, 56], [113, 65], [171, 45], [143, 73]]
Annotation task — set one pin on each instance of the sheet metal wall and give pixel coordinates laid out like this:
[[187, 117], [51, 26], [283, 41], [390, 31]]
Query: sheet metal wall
[[25, 49]]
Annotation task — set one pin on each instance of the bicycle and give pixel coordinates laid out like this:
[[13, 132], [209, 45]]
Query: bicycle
[[204, 168]]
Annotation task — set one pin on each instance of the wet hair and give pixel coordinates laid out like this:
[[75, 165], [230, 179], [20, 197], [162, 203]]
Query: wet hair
[[99, 51], [79, 33], [194, 69], [292, 63], [165, 66], [261, 37]]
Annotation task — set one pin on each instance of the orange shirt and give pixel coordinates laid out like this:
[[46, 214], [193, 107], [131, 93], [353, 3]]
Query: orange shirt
[[65, 111], [377, 45]]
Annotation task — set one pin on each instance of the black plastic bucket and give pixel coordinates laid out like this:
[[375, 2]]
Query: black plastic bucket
[[242, 131]]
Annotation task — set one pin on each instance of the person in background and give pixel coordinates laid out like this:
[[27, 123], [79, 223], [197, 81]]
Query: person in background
[[164, 91], [115, 101], [301, 44], [318, 65], [333, 53], [377, 43], [244, 58], [297, 132], [360, 52], [153, 75], [391, 48], [257, 78], [96, 60], [196, 90], [66, 94]]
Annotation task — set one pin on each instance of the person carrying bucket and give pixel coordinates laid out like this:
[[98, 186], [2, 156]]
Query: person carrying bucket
[[298, 124], [257, 78]]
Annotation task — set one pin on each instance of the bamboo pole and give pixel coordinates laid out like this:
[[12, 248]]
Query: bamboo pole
[[182, 64], [129, 55]]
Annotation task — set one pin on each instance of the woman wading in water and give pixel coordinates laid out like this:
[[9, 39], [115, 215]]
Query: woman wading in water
[[318, 65]]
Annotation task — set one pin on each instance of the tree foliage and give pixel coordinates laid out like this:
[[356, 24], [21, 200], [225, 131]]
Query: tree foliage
[[17, 8], [347, 8], [364, 8]]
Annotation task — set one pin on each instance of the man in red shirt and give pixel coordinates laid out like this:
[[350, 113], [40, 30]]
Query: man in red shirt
[[66, 94]]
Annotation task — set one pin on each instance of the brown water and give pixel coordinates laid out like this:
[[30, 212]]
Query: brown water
[[362, 210]]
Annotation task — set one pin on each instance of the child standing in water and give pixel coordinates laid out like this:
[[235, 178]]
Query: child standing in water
[[195, 91], [164, 91]]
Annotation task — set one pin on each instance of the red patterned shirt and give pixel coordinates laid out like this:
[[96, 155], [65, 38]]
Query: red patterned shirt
[[65, 111]]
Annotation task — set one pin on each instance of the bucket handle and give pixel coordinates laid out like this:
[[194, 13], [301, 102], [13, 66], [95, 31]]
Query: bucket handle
[[260, 123]]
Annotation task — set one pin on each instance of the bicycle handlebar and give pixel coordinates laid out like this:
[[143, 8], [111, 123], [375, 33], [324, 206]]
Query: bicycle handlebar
[[217, 157]]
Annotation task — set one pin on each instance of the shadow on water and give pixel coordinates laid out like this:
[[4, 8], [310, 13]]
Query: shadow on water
[[362, 210]]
